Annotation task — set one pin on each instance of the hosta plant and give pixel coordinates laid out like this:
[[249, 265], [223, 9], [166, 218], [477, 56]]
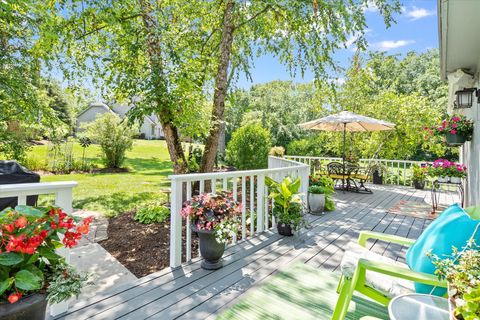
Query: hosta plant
[[217, 213], [29, 262], [462, 272]]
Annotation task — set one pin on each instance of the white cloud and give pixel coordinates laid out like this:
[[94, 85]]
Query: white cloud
[[370, 7], [418, 13], [392, 44]]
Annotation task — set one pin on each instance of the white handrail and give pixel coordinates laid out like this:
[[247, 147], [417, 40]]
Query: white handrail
[[398, 172], [247, 186], [63, 198]]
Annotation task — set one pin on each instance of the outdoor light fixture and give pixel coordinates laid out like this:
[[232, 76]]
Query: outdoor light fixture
[[465, 97]]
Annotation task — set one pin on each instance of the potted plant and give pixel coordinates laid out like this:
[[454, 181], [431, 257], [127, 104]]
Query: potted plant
[[462, 272], [32, 273], [378, 171], [457, 129], [447, 171], [419, 174], [287, 204], [214, 217], [318, 192]]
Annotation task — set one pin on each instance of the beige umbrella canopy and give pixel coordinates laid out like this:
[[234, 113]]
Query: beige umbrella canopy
[[347, 121]]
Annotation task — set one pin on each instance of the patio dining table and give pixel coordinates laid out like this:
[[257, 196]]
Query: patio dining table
[[349, 174]]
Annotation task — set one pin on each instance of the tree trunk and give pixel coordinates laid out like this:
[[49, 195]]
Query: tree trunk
[[220, 91], [172, 136]]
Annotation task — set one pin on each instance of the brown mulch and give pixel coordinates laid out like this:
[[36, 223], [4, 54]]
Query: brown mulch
[[142, 248]]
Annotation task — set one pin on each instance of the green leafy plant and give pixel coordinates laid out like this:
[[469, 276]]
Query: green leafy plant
[[28, 259], [114, 136], [152, 213], [419, 173], [287, 204], [325, 185], [462, 272], [378, 167], [249, 147]]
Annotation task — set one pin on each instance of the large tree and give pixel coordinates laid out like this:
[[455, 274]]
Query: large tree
[[176, 54]]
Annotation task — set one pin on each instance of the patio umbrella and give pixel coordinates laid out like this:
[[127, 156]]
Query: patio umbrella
[[347, 121]]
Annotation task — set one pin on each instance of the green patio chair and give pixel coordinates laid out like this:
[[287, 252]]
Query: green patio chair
[[378, 277]]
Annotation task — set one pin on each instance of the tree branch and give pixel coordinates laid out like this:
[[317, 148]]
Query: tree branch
[[255, 16]]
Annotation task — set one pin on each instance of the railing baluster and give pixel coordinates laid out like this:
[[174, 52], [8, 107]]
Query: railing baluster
[[188, 245], [260, 190], [244, 208], [22, 200], [252, 188], [202, 187], [176, 225], [214, 185], [225, 184]]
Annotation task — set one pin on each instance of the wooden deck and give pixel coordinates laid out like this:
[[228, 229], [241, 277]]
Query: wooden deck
[[190, 292]]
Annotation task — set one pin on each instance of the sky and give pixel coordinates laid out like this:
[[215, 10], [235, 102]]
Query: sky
[[415, 30]]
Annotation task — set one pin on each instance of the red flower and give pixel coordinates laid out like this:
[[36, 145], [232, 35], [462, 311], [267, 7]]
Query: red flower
[[14, 297], [21, 222], [9, 228], [453, 131]]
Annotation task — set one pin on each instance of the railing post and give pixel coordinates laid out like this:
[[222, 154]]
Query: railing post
[[260, 201], [176, 224], [304, 175], [63, 199]]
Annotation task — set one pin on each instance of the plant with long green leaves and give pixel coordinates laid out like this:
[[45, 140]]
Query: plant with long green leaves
[[287, 203]]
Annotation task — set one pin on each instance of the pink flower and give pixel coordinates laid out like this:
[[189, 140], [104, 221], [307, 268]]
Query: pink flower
[[453, 131], [454, 125], [444, 124], [456, 119]]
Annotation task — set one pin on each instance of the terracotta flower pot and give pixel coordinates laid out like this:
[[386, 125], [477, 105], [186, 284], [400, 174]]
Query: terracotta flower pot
[[210, 249], [31, 307]]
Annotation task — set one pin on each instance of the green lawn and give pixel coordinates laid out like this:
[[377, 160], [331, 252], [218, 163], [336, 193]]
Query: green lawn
[[114, 193]]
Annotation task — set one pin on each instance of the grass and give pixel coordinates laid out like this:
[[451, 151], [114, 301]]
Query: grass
[[114, 193]]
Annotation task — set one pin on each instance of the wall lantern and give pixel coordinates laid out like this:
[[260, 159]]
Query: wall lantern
[[465, 97]]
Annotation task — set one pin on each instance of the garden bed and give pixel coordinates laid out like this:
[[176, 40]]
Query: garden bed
[[142, 248]]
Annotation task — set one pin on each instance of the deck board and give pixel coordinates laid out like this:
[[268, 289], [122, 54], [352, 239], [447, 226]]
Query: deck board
[[190, 292]]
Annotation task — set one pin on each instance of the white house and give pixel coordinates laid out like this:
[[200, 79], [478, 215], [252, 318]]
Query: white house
[[150, 128], [458, 26]]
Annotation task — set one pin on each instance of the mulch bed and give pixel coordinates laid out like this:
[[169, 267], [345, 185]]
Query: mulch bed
[[142, 248]]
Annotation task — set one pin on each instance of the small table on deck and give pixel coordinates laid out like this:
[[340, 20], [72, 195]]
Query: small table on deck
[[436, 186], [419, 307]]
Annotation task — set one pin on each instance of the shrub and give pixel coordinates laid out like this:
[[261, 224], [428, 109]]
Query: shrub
[[152, 213], [249, 147], [114, 136], [277, 151]]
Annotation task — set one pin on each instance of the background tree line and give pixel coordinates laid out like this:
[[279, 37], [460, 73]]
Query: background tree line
[[405, 90]]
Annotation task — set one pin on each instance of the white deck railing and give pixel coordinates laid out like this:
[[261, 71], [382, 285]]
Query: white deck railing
[[248, 187], [63, 199], [399, 172]]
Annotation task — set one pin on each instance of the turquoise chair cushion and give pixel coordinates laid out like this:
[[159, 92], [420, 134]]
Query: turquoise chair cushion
[[453, 227]]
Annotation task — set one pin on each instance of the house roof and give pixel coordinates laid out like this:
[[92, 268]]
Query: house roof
[[96, 105]]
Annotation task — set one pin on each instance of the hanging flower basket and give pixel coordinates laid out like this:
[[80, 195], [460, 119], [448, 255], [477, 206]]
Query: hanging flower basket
[[454, 130], [455, 139]]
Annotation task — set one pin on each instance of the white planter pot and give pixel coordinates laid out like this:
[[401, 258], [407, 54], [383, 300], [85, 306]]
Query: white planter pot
[[316, 203], [443, 179], [455, 180]]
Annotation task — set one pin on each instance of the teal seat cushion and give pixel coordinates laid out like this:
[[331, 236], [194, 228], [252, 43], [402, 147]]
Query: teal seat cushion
[[453, 227]]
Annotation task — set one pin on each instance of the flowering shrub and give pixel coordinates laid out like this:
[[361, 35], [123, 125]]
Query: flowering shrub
[[457, 124], [216, 213], [28, 261], [446, 168], [462, 272]]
